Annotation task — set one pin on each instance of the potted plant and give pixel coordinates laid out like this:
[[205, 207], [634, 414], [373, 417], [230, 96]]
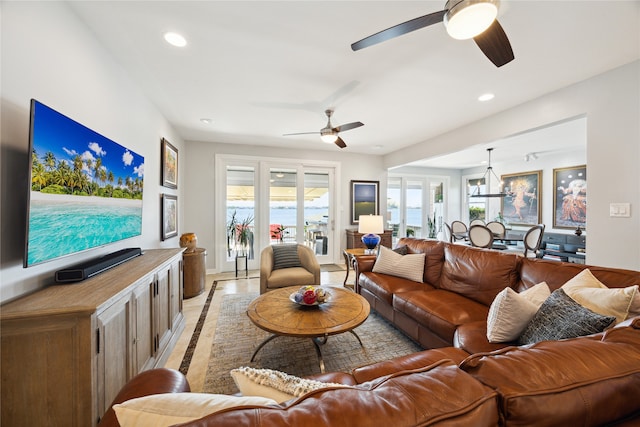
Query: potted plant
[[244, 234], [231, 232]]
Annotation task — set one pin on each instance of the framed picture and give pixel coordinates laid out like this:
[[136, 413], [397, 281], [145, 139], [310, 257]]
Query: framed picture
[[570, 198], [169, 165], [521, 205], [365, 199], [169, 216]]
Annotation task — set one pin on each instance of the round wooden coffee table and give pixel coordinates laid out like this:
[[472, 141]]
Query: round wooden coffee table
[[274, 312]]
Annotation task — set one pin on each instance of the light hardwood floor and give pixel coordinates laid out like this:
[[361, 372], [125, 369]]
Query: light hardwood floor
[[192, 308]]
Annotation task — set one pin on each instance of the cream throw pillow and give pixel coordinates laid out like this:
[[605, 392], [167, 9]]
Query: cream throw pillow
[[174, 408], [273, 384], [410, 266], [510, 312], [589, 292]]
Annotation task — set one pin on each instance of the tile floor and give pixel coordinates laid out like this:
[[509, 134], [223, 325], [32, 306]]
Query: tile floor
[[192, 307]]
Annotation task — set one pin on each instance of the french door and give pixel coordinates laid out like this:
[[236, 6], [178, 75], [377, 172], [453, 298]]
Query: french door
[[270, 202]]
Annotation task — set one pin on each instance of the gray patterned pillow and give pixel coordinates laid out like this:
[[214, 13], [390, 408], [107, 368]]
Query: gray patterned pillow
[[561, 317], [285, 256], [402, 250]]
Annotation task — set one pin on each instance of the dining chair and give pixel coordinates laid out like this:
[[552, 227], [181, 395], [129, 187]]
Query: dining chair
[[448, 234], [480, 236], [476, 221], [459, 230], [499, 232], [533, 240]]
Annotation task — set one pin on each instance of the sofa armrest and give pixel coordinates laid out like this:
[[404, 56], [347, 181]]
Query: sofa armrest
[[153, 381], [363, 264]]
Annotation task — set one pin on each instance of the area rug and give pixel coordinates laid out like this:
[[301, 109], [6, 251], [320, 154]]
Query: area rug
[[236, 338]]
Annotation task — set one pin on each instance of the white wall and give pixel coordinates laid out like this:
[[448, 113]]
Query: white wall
[[49, 55], [200, 178], [610, 102]]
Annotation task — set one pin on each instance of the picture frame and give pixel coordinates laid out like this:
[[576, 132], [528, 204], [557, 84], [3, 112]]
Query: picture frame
[[365, 199], [169, 166], [570, 197], [169, 217], [521, 205]]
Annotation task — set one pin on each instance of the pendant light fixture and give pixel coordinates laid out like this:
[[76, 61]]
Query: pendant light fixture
[[487, 180]]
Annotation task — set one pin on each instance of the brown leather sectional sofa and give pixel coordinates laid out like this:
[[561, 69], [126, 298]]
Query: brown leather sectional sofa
[[460, 283], [587, 381]]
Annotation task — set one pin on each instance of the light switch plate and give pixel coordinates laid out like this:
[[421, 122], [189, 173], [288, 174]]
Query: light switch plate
[[620, 210]]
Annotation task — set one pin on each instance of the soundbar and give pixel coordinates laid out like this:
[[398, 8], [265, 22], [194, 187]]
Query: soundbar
[[90, 268]]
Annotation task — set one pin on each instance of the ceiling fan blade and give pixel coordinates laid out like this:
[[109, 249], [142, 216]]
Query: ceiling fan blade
[[493, 42], [301, 133], [400, 29], [340, 143], [347, 126]]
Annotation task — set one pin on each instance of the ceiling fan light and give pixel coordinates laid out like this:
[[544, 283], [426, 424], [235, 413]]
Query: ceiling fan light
[[468, 18], [329, 138]]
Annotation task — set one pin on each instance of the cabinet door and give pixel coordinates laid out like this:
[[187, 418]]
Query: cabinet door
[[114, 350], [143, 341], [161, 308], [175, 289]]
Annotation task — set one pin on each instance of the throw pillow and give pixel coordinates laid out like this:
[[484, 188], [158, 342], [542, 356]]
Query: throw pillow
[[273, 384], [409, 266], [175, 408], [584, 279], [561, 317], [285, 256], [402, 250], [608, 302], [510, 312]]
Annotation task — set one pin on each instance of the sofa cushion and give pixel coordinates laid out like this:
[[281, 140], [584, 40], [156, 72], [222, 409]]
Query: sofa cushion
[[510, 312], [533, 271], [434, 255], [478, 274], [286, 276], [561, 317], [586, 382], [472, 338], [273, 384], [406, 266], [439, 310], [173, 408], [439, 393], [384, 286]]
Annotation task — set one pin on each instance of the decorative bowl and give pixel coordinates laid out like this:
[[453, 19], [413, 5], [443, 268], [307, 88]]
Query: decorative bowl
[[310, 296]]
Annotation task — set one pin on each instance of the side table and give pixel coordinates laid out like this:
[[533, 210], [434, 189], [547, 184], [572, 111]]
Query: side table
[[349, 257], [194, 272]]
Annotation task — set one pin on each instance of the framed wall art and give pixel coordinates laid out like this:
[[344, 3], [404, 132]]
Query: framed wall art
[[365, 199], [169, 216], [521, 205], [570, 198], [169, 165]]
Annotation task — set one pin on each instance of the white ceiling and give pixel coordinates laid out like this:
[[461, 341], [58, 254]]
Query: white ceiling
[[264, 68]]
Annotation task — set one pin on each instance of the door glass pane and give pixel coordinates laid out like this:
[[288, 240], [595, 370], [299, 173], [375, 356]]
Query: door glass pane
[[393, 206], [436, 208], [413, 213], [240, 210], [283, 210], [316, 211], [477, 205]]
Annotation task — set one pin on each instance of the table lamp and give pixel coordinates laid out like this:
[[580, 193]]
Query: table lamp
[[370, 226]]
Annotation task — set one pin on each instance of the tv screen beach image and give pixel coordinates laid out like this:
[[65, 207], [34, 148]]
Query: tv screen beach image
[[86, 190]]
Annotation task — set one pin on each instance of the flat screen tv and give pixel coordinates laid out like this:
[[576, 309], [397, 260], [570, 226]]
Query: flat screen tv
[[85, 189]]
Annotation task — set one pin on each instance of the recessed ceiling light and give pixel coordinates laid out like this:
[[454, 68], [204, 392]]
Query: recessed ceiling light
[[206, 121], [486, 97], [175, 39]]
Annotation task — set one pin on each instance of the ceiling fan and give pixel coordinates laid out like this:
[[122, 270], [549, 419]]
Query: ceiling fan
[[463, 19], [329, 133]]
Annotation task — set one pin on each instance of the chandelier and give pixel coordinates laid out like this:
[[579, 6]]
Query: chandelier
[[487, 179]]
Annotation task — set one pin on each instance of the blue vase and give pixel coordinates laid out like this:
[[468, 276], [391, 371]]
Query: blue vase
[[371, 240]]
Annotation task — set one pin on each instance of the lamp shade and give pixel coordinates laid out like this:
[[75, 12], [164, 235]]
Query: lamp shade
[[373, 224]]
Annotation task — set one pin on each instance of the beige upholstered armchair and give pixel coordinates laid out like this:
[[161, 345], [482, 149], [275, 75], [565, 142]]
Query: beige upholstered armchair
[[288, 265]]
